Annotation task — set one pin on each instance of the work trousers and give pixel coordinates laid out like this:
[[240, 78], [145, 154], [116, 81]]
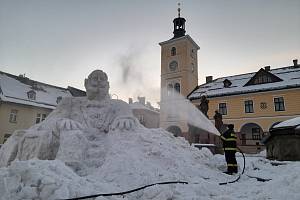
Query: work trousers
[[232, 166]]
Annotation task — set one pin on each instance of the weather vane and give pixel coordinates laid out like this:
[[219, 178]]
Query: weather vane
[[178, 9]]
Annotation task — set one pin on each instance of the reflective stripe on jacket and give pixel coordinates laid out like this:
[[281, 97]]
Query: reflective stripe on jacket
[[229, 140]]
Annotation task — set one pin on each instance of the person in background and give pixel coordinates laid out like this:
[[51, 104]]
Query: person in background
[[229, 145]]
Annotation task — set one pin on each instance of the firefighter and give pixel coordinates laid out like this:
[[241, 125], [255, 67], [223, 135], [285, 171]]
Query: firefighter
[[229, 145]]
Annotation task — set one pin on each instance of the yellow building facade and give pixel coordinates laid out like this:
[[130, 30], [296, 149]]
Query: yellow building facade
[[19, 116], [25, 102], [253, 102]]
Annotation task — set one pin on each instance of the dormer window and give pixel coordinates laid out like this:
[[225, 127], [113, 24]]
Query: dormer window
[[227, 83], [263, 77], [31, 95], [173, 51], [58, 99]]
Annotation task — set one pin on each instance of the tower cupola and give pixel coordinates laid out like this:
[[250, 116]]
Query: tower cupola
[[179, 25]]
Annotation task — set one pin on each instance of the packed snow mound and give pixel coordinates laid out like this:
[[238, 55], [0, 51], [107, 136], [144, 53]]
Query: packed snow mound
[[132, 159], [143, 157]]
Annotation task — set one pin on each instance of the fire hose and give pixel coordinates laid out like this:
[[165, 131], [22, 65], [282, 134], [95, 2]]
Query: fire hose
[[168, 182], [238, 178], [127, 192]]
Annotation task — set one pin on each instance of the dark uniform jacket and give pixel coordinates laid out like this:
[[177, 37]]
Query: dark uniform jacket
[[229, 140]]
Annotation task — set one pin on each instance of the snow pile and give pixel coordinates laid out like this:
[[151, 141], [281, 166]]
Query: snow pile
[[143, 157], [133, 159], [289, 123]]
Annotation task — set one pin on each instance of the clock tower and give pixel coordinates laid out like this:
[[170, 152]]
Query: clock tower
[[179, 74]]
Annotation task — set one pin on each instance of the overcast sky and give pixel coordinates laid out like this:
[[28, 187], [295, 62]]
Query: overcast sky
[[60, 42]]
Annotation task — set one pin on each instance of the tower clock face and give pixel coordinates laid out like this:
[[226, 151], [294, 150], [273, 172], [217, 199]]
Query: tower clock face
[[173, 66]]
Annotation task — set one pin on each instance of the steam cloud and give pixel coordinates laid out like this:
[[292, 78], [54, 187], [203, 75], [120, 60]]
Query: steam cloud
[[180, 108]]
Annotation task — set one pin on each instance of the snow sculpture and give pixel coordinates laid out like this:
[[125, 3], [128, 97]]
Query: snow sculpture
[[70, 130]]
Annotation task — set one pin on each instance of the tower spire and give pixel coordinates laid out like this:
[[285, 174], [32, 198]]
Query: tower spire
[[179, 24], [178, 9]]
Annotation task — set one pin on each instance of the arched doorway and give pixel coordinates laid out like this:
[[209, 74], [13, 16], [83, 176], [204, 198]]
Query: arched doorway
[[251, 134], [175, 130]]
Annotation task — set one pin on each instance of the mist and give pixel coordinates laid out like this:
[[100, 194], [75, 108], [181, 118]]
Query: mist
[[178, 107]]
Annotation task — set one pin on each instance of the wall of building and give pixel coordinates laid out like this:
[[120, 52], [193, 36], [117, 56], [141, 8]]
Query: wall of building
[[148, 118], [262, 118], [184, 59], [26, 117]]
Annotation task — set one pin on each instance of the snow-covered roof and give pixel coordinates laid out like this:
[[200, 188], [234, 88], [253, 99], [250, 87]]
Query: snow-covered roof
[[12, 89], [289, 123], [290, 79], [138, 105]]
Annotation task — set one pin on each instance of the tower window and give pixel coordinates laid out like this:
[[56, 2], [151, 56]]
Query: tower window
[[177, 87], [173, 51], [193, 67], [170, 89], [173, 66]]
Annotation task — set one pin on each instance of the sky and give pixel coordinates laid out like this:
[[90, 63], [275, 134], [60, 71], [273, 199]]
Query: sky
[[60, 42]]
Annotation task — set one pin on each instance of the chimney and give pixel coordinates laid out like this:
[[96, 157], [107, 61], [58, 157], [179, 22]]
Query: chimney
[[209, 79], [148, 104], [142, 100], [267, 68], [130, 100], [295, 61]]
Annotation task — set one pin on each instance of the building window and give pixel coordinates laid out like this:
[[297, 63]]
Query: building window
[[279, 104], [256, 134], [40, 117], [13, 116], [58, 99], [141, 119], [31, 95], [173, 51], [177, 87], [249, 106], [222, 108]]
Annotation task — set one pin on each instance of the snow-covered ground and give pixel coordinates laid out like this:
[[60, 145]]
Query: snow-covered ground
[[146, 156]]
